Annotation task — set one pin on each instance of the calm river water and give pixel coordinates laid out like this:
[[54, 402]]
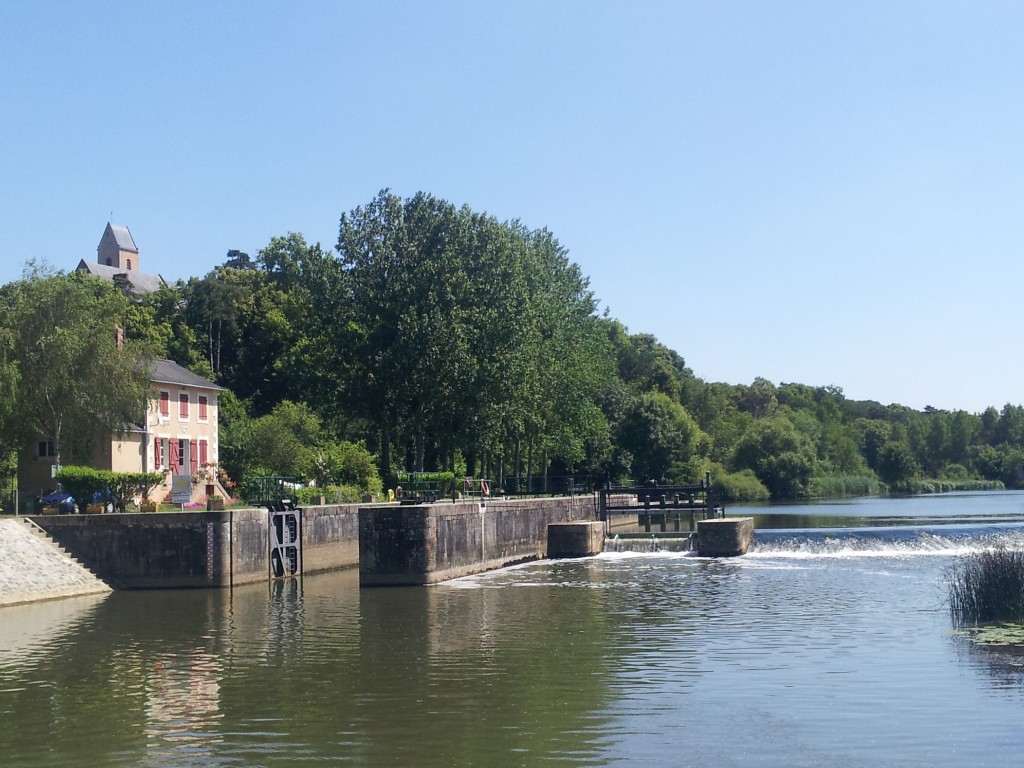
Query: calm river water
[[824, 646]]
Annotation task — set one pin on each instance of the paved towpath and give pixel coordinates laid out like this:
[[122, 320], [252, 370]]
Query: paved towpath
[[34, 568]]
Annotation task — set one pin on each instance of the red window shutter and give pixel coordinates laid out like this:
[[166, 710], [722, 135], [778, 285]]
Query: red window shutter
[[183, 406], [204, 453], [202, 408], [174, 454], [165, 404], [156, 452], [193, 456]]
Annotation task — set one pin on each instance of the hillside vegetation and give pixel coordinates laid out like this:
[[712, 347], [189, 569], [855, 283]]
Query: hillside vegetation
[[434, 338]]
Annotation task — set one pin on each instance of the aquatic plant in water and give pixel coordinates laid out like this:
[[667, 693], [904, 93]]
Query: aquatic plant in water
[[987, 587], [995, 635]]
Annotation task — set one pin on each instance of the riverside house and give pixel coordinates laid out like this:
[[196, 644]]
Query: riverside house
[[177, 436]]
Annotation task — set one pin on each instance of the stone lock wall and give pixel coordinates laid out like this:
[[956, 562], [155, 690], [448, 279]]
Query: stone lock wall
[[165, 550], [391, 544], [412, 545]]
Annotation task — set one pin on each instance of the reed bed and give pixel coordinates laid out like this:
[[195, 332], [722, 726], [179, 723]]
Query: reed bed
[[987, 587]]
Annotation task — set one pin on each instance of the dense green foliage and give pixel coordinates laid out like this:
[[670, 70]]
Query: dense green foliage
[[65, 373], [87, 484], [436, 338]]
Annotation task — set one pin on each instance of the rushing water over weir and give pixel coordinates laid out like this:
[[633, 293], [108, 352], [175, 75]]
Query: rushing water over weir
[[950, 540]]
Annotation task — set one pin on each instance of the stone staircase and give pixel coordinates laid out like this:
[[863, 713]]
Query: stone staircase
[[34, 567]]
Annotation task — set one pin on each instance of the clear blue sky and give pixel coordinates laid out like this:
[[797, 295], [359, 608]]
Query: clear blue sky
[[814, 192]]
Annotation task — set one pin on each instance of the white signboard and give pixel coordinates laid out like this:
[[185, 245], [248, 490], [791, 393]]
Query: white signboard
[[181, 489]]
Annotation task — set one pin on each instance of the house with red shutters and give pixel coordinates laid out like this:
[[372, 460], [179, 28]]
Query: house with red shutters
[[177, 436], [180, 434]]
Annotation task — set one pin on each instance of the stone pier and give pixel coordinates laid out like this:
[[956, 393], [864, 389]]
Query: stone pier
[[725, 536], [580, 539]]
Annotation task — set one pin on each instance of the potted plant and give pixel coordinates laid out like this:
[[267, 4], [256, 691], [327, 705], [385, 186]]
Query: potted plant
[[215, 503]]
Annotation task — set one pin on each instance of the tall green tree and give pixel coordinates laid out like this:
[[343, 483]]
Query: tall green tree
[[896, 464], [285, 442], [473, 336], [664, 440], [782, 457], [374, 252], [9, 385], [76, 375]]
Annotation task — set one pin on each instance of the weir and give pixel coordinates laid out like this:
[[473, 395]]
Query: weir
[[676, 517], [887, 541], [665, 507], [877, 541]]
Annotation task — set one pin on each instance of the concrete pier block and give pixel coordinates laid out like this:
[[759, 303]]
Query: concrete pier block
[[577, 539], [724, 537]]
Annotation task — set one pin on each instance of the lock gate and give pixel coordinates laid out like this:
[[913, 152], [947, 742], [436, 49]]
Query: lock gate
[[285, 539]]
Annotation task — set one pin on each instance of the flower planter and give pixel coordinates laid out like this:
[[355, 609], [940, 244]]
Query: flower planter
[[147, 506], [215, 503], [95, 509], [51, 510]]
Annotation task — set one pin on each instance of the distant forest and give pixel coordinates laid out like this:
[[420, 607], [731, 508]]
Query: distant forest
[[436, 338]]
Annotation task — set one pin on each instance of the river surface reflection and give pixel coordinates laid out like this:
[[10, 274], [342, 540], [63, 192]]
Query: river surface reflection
[[819, 648]]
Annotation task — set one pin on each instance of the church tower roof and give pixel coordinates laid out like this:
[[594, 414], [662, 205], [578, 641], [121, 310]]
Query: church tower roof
[[122, 236]]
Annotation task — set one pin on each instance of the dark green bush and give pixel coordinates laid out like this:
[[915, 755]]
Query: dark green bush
[[840, 486], [739, 486], [126, 486], [87, 485], [932, 485], [333, 494]]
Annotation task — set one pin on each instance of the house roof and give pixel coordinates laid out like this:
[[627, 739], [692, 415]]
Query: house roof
[[123, 237], [140, 283], [169, 372]]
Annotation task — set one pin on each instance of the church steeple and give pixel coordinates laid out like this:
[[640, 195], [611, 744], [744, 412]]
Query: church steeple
[[117, 249]]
